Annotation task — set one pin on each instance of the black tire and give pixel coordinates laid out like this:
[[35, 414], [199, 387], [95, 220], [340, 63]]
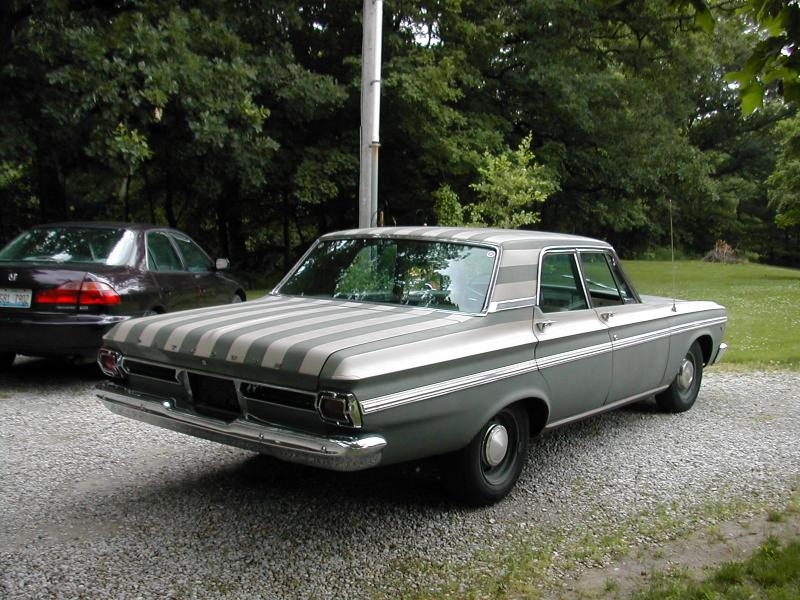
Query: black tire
[[682, 392], [6, 360], [237, 298], [472, 478]]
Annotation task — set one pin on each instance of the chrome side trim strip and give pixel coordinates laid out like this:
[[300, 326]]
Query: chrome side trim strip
[[606, 407], [446, 387], [699, 324], [573, 355], [340, 453]]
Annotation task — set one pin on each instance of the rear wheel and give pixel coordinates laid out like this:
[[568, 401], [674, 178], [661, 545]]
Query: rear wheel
[[6, 360], [682, 392], [487, 469]]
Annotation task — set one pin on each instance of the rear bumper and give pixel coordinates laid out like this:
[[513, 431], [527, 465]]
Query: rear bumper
[[63, 336], [723, 348], [337, 453]]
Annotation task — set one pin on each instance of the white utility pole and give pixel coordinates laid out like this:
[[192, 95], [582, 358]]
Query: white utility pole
[[370, 113]]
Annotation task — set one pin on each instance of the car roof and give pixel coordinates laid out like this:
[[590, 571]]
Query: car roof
[[105, 225], [516, 238]]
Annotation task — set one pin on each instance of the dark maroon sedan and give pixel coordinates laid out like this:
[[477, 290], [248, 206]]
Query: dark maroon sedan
[[62, 286]]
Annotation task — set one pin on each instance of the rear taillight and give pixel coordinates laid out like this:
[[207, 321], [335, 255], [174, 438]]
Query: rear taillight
[[80, 293], [110, 362]]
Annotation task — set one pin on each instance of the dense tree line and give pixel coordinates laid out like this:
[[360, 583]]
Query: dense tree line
[[238, 121]]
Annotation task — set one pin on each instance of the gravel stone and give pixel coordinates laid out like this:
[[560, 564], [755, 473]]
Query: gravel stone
[[93, 505]]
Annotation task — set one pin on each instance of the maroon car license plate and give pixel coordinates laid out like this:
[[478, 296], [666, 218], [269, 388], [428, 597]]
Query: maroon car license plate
[[10, 298]]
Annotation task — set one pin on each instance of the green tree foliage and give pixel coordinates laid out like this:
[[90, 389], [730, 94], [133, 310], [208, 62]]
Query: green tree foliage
[[784, 183], [510, 188], [772, 56], [239, 122]]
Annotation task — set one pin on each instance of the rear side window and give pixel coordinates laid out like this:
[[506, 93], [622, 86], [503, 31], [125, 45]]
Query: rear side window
[[193, 256], [604, 287], [559, 287], [161, 256]]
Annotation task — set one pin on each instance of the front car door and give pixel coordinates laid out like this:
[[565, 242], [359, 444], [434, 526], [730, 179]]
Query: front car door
[[210, 288], [574, 346], [639, 332]]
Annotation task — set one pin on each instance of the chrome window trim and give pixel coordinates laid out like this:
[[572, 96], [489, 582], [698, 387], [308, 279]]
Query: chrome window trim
[[611, 255], [561, 250], [498, 249]]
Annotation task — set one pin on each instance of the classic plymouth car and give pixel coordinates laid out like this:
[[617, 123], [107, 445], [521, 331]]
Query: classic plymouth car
[[393, 344]]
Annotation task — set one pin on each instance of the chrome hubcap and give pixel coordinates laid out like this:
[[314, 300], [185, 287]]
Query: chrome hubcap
[[495, 445], [686, 374]]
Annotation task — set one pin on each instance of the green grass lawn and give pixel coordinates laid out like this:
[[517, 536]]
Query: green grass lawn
[[772, 573], [763, 305]]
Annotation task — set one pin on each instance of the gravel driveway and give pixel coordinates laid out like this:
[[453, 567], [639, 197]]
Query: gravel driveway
[[96, 506]]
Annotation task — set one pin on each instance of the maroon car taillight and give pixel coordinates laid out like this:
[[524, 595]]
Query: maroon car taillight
[[80, 293], [110, 362]]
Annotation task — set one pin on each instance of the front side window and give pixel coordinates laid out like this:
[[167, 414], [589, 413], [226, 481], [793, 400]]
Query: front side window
[[196, 260], [439, 275], [603, 286], [98, 245], [559, 286], [161, 256]]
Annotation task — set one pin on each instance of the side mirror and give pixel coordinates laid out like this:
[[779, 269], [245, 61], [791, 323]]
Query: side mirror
[[222, 264]]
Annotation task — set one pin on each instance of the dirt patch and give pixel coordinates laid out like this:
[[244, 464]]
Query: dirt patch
[[725, 542]]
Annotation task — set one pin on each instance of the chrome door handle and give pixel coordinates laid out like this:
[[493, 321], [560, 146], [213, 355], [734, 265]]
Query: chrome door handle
[[542, 325], [606, 315]]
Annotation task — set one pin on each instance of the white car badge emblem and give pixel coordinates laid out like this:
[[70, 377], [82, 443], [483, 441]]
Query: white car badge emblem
[[12, 276]]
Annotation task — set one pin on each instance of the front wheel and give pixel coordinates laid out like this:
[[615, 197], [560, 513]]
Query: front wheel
[[682, 392], [487, 469], [6, 360]]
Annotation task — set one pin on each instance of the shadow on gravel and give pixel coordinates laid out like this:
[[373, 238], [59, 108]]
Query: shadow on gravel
[[49, 371], [259, 500]]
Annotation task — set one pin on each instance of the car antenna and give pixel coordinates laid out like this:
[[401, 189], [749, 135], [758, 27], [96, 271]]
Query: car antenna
[[672, 250]]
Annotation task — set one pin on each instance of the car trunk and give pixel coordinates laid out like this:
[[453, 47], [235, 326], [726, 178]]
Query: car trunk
[[279, 340]]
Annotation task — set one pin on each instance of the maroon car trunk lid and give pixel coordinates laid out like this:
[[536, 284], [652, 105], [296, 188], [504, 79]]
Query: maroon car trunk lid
[[16, 278]]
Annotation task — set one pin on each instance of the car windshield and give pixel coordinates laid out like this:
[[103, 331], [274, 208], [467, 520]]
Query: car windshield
[[440, 275], [109, 246]]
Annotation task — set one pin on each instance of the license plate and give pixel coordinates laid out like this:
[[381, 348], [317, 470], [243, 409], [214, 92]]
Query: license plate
[[15, 298]]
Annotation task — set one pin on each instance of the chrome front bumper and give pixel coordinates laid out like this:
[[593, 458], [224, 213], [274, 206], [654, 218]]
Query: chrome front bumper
[[723, 348], [337, 453]]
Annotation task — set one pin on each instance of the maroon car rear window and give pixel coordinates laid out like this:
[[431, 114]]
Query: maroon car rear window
[[108, 246]]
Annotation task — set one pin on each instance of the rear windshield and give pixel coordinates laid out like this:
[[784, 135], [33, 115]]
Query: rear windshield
[[108, 246], [442, 275]]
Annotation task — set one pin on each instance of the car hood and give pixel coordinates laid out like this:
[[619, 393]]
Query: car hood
[[276, 339]]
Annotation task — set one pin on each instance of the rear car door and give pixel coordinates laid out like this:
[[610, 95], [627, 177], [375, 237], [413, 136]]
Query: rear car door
[[639, 332], [177, 285], [574, 346]]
